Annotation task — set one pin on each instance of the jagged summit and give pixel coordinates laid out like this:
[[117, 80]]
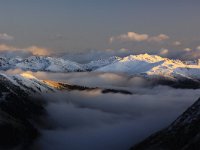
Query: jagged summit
[[153, 65], [100, 63], [150, 65], [144, 57]]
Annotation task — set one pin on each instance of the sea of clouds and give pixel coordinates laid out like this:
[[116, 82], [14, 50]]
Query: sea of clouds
[[91, 120]]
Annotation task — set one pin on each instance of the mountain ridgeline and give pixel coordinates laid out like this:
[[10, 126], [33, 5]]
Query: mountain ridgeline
[[149, 66], [22, 108]]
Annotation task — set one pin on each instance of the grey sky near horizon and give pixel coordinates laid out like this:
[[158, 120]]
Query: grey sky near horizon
[[77, 26]]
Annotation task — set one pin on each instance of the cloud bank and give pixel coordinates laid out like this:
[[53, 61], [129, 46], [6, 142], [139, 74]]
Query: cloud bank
[[92, 120], [177, 43], [130, 36], [6, 37], [137, 37], [33, 50], [164, 52]]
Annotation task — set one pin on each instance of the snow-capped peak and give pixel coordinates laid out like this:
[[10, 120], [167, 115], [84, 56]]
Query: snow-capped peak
[[153, 65], [27, 83], [100, 63], [144, 57], [150, 65]]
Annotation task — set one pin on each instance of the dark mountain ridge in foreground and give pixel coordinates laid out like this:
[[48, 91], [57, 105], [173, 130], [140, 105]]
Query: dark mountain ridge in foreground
[[18, 114], [182, 134]]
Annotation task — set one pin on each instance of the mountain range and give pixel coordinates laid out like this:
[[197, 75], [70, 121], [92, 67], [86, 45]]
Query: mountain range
[[21, 109], [143, 65]]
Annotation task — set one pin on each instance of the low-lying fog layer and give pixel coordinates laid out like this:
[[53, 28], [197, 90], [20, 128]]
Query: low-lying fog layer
[[95, 121], [87, 78]]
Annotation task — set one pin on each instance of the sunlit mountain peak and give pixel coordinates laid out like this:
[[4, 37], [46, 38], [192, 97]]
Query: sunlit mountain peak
[[28, 75]]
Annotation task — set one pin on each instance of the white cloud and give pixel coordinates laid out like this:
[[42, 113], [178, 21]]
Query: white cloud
[[5, 36], [4, 47], [187, 49], [33, 49], [38, 50], [198, 48], [158, 38], [177, 43], [130, 36], [136, 37], [124, 49], [164, 51]]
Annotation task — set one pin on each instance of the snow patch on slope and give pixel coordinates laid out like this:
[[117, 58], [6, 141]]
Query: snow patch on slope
[[28, 83]]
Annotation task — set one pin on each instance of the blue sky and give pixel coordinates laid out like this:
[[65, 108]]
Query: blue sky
[[79, 25]]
